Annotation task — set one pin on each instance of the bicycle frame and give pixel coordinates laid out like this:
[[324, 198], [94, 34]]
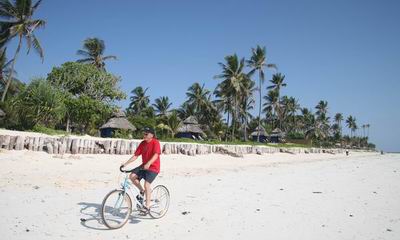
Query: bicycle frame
[[127, 185]]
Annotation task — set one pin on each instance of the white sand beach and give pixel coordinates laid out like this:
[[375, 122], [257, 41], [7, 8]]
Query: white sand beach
[[274, 196]]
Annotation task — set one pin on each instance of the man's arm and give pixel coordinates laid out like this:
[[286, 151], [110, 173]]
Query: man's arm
[[133, 158], [148, 164]]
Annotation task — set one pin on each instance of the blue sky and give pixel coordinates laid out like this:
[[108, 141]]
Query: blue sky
[[344, 52]]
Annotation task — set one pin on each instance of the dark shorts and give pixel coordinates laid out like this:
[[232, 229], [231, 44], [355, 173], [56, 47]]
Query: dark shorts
[[147, 175]]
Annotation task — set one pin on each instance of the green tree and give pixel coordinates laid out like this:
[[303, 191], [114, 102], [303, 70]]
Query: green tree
[[257, 63], [322, 107], [40, 103], [277, 83], [352, 125], [139, 100], [93, 51], [90, 94], [16, 21], [162, 105], [338, 120], [233, 82], [5, 68], [272, 105], [173, 122]]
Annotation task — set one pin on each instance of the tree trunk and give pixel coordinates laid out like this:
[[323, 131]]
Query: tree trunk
[[227, 125], [259, 107], [68, 123], [245, 128], [3, 97]]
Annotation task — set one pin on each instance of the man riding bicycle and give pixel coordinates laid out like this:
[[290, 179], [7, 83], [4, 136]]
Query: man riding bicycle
[[150, 151]]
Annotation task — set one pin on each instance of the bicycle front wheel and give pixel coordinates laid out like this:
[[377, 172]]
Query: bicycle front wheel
[[159, 202], [116, 209]]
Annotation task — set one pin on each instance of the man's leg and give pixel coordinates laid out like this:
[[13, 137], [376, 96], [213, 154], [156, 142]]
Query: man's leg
[[147, 188], [135, 180]]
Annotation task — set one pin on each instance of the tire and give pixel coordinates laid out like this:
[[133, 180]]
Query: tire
[[160, 201], [112, 219]]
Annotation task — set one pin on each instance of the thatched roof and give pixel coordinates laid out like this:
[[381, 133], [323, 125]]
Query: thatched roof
[[2, 113], [118, 121], [191, 120], [262, 132], [118, 114], [190, 125], [277, 132]]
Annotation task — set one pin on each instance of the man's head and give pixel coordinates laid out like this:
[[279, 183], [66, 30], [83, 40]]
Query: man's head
[[148, 134]]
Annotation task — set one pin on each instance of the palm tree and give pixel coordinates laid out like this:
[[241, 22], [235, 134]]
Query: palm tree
[[233, 81], [351, 124], [198, 96], [16, 21], [367, 126], [322, 107], [93, 51], [258, 62], [5, 68], [363, 128], [139, 100], [277, 83], [246, 105], [272, 104], [290, 107], [338, 119], [162, 105], [173, 122]]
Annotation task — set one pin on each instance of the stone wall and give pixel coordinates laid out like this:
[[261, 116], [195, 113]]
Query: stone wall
[[93, 145]]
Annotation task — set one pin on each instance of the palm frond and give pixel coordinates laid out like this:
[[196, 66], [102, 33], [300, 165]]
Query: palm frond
[[37, 47], [110, 57]]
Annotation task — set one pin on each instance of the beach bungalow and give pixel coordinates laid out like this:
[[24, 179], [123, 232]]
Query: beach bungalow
[[263, 134], [276, 136], [190, 128], [117, 121]]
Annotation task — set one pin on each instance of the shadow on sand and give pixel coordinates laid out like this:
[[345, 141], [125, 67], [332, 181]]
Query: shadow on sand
[[92, 216]]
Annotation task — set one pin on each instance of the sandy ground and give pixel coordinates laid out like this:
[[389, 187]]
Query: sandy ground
[[277, 196]]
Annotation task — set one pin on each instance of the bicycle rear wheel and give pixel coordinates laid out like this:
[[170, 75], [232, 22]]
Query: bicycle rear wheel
[[116, 209], [159, 201]]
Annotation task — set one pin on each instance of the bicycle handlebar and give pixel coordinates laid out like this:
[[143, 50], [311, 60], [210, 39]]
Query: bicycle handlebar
[[125, 171]]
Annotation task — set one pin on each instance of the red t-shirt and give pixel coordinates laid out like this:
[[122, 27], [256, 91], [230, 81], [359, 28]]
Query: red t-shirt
[[147, 150]]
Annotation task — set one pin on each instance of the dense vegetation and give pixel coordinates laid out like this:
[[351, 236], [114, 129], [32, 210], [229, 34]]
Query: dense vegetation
[[80, 96]]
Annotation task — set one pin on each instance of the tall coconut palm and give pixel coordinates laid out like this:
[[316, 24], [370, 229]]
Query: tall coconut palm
[[139, 101], [338, 120], [272, 104], [322, 107], [257, 63], [162, 105], [233, 80], [351, 124], [290, 107], [277, 82], [5, 68], [198, 96], [16, 21], [367, 126], [246, 104], [93, 51]]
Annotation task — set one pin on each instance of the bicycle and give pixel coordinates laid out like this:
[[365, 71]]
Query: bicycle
[[117, 204]]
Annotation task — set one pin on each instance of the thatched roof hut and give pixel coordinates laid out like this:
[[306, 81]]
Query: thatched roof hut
[[277, 132], [2, 113], [190, 128], [263, 134], [276, 135], [261, 130], [117, 121]]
